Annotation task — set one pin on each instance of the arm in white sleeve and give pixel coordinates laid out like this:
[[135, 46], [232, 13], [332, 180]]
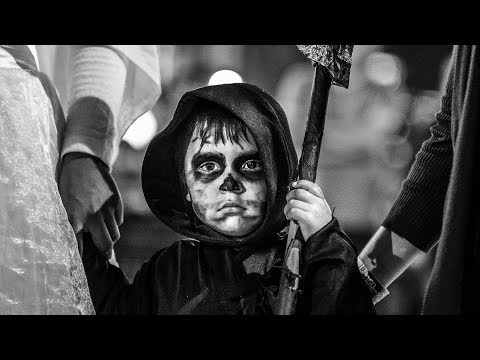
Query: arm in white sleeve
[[96, 94]]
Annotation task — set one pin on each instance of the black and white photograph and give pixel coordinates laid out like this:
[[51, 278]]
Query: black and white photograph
[[258, 180]]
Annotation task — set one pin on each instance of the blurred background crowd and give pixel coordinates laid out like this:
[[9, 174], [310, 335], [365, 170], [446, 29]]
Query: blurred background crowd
[[373, 130]]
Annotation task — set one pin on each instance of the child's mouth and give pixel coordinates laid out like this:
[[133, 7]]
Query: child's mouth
[[232, 207]]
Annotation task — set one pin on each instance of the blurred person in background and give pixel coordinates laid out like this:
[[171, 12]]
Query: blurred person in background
[[438, 201], [104, 88]]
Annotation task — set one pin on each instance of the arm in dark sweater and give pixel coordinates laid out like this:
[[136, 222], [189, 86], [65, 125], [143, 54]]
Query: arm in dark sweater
[[332, 283], [414, 222], [110, 289], [417, 212]]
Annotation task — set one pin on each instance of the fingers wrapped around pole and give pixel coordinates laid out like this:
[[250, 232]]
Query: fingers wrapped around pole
[[299, 201]]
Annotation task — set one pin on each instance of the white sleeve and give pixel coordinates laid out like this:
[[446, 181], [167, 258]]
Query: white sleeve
[[111, 86]]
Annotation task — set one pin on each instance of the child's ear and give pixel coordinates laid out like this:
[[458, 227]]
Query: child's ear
[[189, 199]]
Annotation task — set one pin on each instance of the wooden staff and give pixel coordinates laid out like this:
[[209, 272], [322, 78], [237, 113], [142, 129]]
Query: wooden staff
[[332, 65]]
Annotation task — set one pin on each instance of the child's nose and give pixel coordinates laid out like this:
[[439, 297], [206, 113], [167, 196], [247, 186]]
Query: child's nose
[[233, 185]]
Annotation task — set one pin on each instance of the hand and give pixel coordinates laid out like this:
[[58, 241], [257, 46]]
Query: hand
[[308, 207], [91, 200], [103, 227]]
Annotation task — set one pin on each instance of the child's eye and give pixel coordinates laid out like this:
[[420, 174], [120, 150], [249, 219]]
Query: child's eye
[[252, 165], [209, 167]]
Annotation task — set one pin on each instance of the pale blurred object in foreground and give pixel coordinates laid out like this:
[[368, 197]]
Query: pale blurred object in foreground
[[40, 268]]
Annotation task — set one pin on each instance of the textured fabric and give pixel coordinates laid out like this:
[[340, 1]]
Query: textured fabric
[[21, 55], [7, 60], [417, 212], [99, 74], [142, 89], [40, 268], [216, 274], [97, 180], [195, 278], [449, 163]]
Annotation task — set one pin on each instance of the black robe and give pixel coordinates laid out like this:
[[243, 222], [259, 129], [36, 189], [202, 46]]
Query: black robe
[[193, 278], [210, 273]]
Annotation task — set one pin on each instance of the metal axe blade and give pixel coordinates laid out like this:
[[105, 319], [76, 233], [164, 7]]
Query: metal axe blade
[[337, 59]]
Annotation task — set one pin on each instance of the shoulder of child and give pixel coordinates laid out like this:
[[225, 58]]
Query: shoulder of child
[[183, 247]]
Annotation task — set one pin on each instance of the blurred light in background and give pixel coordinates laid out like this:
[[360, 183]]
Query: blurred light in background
[[384, 69], [225, 77], [141, 131]]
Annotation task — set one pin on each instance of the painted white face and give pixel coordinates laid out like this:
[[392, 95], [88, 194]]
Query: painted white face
[[226, 184]]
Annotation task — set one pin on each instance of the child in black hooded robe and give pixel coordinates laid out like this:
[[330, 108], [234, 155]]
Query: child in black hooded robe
[[219, 174]]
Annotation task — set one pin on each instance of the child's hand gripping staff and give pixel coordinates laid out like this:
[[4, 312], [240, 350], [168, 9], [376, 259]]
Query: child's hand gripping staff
[[332, 65]]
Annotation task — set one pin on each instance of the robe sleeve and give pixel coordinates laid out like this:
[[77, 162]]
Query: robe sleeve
[[332, 283], [110, 289]]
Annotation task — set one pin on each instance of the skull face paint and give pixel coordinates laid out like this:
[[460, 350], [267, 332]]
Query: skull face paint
[[226, 184]]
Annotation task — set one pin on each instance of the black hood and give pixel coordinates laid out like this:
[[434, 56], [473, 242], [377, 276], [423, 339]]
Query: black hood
[[165, 192]]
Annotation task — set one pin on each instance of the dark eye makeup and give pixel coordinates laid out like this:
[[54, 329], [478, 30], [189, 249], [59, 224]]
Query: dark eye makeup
[[250, 166], [200, 159], [208, 166]]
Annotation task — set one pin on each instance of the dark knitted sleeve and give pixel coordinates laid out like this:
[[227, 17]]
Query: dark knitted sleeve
[[416, 214]]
